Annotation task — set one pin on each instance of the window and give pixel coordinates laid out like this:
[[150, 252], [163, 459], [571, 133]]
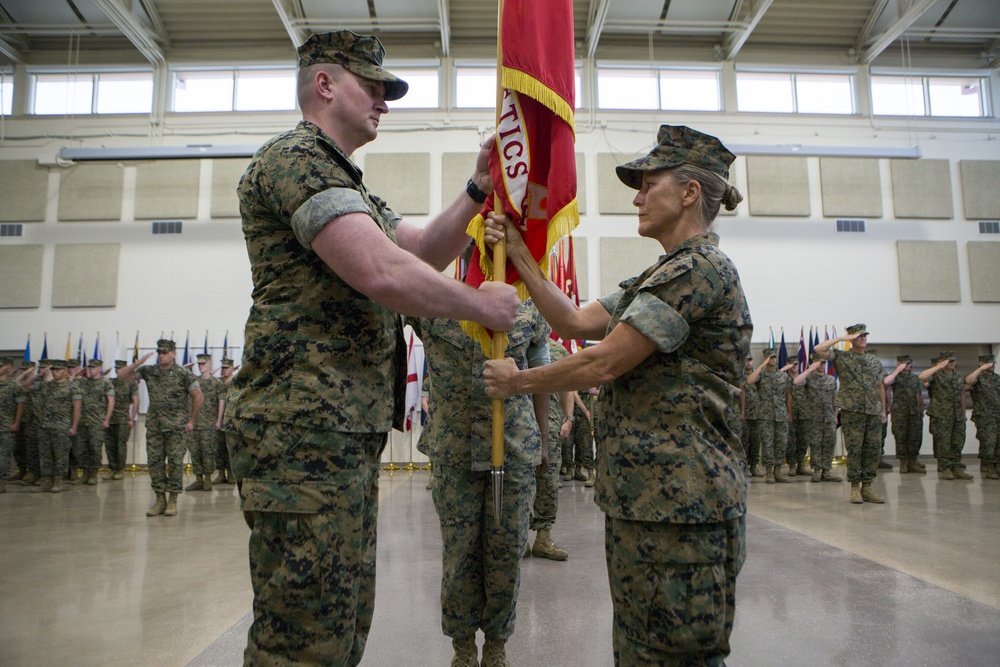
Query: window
[[475, 87], [424, 88], [265, 90], [203, 91], [666, 89], [6, 94], [907, 95], [92, 92], [795, 92]]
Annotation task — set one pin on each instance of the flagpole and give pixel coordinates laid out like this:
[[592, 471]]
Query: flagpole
[[499, 337]]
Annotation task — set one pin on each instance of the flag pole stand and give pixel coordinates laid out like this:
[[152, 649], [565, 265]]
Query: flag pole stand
[[409, 466], [392, 467], [134, 468]]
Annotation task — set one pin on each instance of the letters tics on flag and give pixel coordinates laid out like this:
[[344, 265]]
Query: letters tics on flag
[[533, 161]]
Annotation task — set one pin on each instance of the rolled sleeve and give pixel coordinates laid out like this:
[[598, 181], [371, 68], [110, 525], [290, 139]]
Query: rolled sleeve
[[657, 321], [610, 302], [322, 208]]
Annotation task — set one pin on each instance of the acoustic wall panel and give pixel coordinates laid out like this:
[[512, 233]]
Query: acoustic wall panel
[[980, 189], [852, 187], [24, 188], [91, 192], [226, 174], [167, 189], [401, 179], [582, 267], [928, 271], [613, 196], [984, 271], [85, 275], [623, 258], [21, 276], [922, 189], [778, 186]]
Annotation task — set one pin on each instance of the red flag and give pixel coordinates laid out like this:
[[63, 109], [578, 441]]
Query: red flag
[[533, 162], [563, 274], [414, 371]]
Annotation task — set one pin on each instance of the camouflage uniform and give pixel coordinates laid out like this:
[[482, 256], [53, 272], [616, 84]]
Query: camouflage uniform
[[772, 386], [202, 440], [751, 426], [546, 504], [986, 416], [55, 417], [119, 429], [947, 418], [819, 427], [168, 414], [221, 449], [671, 473], [907, 417], [31, 433], [578, 449], [11, 396], [860, 411], [795, 452], [481, 572], [322, 382], [90, 435]]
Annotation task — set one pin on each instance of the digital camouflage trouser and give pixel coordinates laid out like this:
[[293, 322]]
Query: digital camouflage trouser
[[543, 513], [481, 564], [988, 435], [949, 440], [908, 432], [165, 450], [673, 589], [821, 438], [311, 498], [116, 445], [202, 443], [773, 439], [863, 440]]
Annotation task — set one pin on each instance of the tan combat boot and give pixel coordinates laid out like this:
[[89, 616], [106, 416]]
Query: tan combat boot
[[579, 474], [196, 485], [904, 466], [869, 496], [56, 485], [47, 483], [91, 476], [803, 469], [779, 477], [961, 474], [82, 479], [466, 653], [856, 493], [946, 474], [817, 475], [917, 466], [993, 472], [159, 507], [544, 548], [591, 478], [171, 508], [206, 483], [830, 477], [769, 475], [494, 653], [220, 478], [29, 479]]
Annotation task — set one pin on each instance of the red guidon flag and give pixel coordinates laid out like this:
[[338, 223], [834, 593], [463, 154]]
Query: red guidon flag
[[533, 162]]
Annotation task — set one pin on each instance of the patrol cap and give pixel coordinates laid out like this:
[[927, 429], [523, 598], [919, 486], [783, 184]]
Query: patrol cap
[[677, 145], [769, 352], [227, 363], [6, 361], [165, 345], [60, 363], [815, 356], [361, 54], [946, 354], [95, 363], [204, 357], [120, 363], [74, 362], [904, 359], [987, 358], [857, 329]]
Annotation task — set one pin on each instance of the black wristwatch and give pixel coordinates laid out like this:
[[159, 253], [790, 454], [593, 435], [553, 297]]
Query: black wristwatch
[[473, 191]]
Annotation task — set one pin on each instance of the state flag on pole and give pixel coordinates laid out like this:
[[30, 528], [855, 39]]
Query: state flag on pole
[[45, 347], [97, 348], [533, 161], [782, 351], [187, 348], [563, 273], [802, 358], [414, 379], [118, 355], [69, 345], [135, 348], [27, 349]]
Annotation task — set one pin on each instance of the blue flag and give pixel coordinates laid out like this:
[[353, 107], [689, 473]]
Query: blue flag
[[45, 347], [187, 349], [27, 349], [782, 351]]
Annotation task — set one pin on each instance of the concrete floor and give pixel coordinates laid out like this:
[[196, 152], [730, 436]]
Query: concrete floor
[[87, 579]]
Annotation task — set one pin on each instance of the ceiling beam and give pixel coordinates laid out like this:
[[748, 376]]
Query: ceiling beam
[[905, 20], [141, 38], [597, 19], [292, 19], [866, 30], [444, 12], [735, 41], [9, 50]]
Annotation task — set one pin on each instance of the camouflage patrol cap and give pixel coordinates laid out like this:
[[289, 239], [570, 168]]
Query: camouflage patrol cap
[[61, 363], [95, 363], [202, 358], [947, 354], [6, 361], [165, 345], [677, 145], [857, 329], [361, 54], [815, 356], [987, 359], [769, 352], [904, 359], [120, 363], [74, 362], [227, 363]]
